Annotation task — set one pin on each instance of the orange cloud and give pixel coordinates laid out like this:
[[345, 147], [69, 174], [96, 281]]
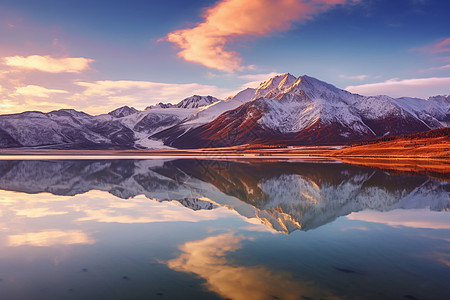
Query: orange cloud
[[228, 19], [49, 64]]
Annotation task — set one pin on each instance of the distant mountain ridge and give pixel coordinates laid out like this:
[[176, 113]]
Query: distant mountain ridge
[[284, 110]]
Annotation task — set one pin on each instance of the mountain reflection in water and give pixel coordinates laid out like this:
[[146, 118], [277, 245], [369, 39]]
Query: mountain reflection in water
[[220, 229], [285, 196]]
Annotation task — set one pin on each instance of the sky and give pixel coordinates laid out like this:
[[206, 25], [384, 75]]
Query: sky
[[98, 55]]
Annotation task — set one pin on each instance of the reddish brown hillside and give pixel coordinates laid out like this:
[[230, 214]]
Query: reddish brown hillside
[[433, 143]]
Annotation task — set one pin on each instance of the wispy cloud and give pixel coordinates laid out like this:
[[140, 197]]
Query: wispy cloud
[[206, 43], [353, 77], [442, 46], [440, 68], [48, 63], [417, 87]]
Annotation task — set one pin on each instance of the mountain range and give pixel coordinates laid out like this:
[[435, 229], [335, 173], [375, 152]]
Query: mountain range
[[284, 110]]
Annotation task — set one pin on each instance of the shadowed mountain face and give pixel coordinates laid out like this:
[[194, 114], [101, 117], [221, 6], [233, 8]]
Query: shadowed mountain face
[[283, 195]]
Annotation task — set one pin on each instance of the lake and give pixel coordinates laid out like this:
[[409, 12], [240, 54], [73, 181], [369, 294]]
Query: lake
[[221, 229]]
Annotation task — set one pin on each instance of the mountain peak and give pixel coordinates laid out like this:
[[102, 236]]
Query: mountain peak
[[123, 111], [196, 101], [277, 81], [274, 86]]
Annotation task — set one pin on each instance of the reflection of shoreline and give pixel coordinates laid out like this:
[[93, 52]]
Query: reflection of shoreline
[[433, 167], [437, 168]]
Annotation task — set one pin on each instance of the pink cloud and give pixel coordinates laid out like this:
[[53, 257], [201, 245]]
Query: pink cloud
[[229, 19], [442, 46], [440, 68]]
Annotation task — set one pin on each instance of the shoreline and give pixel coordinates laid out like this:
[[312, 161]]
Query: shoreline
[[437, 167], [313, 152]]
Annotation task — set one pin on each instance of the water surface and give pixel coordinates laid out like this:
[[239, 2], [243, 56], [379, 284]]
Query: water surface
[[205, 229]]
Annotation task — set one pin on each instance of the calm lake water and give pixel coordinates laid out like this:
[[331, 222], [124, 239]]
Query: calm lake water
[[203, 229]]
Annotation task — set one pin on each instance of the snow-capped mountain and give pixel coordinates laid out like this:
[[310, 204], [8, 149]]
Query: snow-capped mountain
[[122, 128], [195, 101], [282, 110], [64, 127], [123, 112], [283, 195], [304, 110]]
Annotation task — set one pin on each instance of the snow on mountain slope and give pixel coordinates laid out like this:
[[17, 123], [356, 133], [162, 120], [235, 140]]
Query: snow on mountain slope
[[123, 111], [243, 96], [269, 88], [305, 110], [442, 101], [58, 127], [196, 101], [432, 113], [124, 127]]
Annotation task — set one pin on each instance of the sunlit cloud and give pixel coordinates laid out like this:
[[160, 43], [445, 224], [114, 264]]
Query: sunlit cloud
[[97, 97], [151, 89], [38, 212], [37, 91], [9, 106], [48, 63], [111, 94], [50, 238], [415, 218], [207, 259], [206, 43], [418, 87]]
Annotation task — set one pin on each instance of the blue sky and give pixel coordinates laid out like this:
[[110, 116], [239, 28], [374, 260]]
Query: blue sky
[[97, 55]]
